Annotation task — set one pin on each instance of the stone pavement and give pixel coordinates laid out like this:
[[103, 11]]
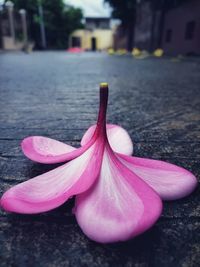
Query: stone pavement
[[56, 95]]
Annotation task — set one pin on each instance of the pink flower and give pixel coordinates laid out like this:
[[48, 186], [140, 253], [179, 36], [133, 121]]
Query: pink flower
[[117, 196]]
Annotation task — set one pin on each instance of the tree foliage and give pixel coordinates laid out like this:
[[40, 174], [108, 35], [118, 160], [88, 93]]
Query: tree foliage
[[60, 21], [123, 10], [166, 4]]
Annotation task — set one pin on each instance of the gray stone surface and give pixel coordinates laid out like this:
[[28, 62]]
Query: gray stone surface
[[56, 95]]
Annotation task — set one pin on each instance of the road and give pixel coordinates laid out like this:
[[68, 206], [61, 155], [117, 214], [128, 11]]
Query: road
[[56, 94]]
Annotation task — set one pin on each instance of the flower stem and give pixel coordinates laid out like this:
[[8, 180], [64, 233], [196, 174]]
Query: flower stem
[[101, 122]]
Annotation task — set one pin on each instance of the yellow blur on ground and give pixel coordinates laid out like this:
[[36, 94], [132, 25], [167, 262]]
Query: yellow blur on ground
[[121, 52], [158, 52], [143, 54], [136, 52], [111, 51]]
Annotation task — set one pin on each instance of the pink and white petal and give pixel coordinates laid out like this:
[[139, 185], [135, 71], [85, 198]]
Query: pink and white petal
[[168, 180], [39, 148], [118, 138], [51, 189], [46, 150], [119, 205]]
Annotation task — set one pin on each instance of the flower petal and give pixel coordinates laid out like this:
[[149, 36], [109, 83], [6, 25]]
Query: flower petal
[[50, 190], [118, 206], [118, 138], [168, 180], [46, 150]]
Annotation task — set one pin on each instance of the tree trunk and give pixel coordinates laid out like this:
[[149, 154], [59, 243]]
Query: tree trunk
[[153, 24], [130, 37], [1, 34], [161, 24]]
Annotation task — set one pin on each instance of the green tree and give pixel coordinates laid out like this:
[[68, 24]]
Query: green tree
[[59, 20], [125, 11]]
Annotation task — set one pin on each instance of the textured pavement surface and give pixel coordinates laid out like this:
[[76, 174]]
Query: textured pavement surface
[[56, 95]]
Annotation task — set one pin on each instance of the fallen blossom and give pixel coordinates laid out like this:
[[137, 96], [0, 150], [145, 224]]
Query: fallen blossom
[[117, 196]]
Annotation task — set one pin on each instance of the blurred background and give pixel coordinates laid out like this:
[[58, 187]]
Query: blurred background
[[53, 55], [103, 25]]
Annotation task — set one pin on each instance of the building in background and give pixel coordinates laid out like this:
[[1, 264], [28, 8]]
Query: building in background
[[10, 39], [143, 26], [96, 36], [7, 40], [181, 32], [119, 38]]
